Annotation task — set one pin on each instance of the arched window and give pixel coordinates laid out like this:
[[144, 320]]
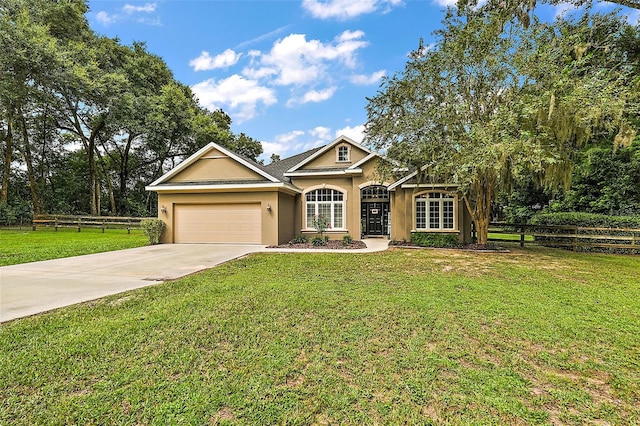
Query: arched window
[[375, 193], [327, 203], [435, 211]]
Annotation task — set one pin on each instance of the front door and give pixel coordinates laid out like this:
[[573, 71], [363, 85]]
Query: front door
[[374, 217]]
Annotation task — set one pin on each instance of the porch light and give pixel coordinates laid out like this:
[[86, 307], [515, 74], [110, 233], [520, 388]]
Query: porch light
[[268, 207], [163, 209]]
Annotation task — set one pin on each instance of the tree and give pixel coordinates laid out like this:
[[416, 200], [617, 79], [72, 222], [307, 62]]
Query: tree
[[247, 146], [494, 100]]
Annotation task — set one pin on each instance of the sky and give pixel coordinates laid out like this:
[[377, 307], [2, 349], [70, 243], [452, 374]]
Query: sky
[[293, 74]]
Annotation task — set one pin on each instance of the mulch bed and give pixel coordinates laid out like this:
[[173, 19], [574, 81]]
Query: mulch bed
[[331, 245]]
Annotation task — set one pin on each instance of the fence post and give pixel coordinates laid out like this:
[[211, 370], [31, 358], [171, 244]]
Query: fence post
[[79, 224], [55, 225], [575, 240], [103, 226], [128, 226], [522, 236]]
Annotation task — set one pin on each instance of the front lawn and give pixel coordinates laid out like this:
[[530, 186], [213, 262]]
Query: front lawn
[[22, 246], [536, 336]]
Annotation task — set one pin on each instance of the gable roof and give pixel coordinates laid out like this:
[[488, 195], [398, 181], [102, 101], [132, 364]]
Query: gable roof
[[212, 145], [326, 148], [279, 168]]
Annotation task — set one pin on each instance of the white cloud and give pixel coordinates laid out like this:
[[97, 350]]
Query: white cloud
[[150, 21], [313, 96], [223, 60], [346, 9], [446, 3], [321, 132], [296, 61], [365, 80], [146, 8], [105, 19], [236, 95], [356, 133], [289, 137]]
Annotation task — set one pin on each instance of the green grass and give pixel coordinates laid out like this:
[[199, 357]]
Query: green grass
[[535, 336], [22, 246], [509, 237]]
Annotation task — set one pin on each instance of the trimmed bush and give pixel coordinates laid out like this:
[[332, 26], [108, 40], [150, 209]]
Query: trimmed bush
[[586, 239], [589, 220], [431, 239], [347, 239], [154, 228]]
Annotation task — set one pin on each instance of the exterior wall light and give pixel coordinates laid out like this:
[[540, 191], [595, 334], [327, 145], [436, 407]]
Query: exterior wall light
[[268, 207], [163, 209]]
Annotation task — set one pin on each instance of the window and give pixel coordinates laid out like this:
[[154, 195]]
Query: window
[[328, 203], [375, 192], [435, 210], [343, 153]]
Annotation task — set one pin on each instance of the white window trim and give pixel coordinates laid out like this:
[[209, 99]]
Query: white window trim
[[306, 227], [426, 200]]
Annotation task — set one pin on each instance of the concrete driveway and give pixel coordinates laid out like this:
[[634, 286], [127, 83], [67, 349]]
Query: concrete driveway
[[36, 287], [32, 288]]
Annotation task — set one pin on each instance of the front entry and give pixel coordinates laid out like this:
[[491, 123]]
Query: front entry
[[374, 217]]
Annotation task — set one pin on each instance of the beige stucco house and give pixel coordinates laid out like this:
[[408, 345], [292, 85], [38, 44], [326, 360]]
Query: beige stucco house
[[218, 196]]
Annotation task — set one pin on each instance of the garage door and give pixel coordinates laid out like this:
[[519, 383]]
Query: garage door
[[218, 223]]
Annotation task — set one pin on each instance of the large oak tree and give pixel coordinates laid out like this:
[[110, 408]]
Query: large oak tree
[[493, 99]]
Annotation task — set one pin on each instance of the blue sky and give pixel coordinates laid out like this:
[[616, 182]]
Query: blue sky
[[293, 74]]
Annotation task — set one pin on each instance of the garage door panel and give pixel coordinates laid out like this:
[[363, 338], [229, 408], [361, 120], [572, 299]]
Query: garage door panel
[[218, 223]]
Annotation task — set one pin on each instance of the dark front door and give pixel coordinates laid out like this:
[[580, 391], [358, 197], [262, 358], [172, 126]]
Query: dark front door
[[374, 216]]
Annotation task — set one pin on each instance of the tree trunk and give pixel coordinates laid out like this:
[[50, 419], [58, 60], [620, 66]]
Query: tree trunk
[[112, 198], [37, 209], [482, 193], [8, 152], [123, 175]]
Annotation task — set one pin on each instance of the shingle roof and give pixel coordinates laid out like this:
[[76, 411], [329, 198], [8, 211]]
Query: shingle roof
[[278, 168]]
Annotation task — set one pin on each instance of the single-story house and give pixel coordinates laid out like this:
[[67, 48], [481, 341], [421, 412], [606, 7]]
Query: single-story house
[[218, 196]]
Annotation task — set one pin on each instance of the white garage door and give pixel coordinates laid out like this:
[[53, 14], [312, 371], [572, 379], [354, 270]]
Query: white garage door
[[218, 223]]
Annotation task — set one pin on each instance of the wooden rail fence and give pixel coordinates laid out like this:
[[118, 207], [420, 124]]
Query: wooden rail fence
[[79, 222], [574, 237]]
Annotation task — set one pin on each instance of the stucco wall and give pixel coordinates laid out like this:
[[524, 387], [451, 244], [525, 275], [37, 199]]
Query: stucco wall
[[214, 165], [328, 159], [286, 218], [402, 219], [350, 185]]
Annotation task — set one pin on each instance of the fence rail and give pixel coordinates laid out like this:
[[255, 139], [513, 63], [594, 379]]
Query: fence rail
[[79, 222], [574, 237]]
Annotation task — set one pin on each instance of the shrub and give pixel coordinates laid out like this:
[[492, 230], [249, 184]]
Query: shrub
[[321, 224], [347, 239], [591, 220], [319, 241], [299, 239], [15, 213], [582, 239], [154, 228], [428, 239]]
